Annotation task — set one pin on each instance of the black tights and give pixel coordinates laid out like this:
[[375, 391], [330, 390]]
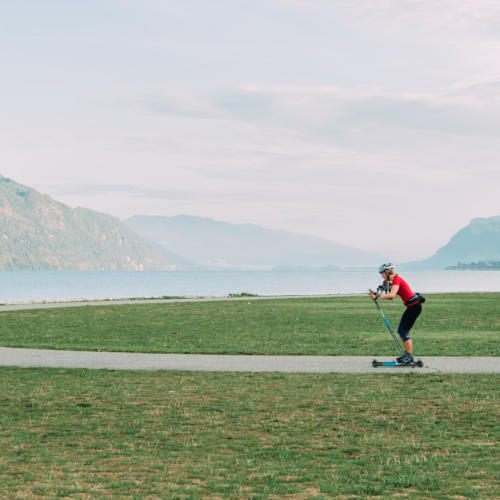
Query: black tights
[[408, 320]]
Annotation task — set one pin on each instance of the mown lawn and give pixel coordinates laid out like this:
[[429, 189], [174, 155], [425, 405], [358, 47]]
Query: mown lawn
[[100, 434], [451, 324], [103, 434]]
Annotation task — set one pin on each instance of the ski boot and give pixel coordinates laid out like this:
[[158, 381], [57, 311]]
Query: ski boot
[[405, 359]]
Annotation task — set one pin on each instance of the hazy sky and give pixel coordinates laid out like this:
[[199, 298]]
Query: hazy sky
[[373, 123]]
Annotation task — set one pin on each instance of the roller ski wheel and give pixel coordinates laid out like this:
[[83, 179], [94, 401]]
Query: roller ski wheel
[[413, 364]]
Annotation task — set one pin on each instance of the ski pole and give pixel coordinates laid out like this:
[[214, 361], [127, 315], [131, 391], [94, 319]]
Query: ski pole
[[386, 321]]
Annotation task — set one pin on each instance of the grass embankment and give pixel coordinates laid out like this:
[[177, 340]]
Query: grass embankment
[[84, 434], [451, 325]]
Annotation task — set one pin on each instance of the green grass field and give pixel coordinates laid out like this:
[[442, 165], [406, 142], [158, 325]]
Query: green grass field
[[98, 434], [103, 434], [453, 325]]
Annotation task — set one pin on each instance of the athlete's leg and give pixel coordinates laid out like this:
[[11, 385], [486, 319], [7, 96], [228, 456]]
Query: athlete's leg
[[408, 345], [406, 324]]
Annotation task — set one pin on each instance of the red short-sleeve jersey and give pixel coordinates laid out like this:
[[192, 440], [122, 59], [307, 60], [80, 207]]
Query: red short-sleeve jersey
[[405, 292]]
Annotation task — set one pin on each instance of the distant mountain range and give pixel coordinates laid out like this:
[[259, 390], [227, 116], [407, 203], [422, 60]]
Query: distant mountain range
[[37, 232], [213, 244], [478, 241]]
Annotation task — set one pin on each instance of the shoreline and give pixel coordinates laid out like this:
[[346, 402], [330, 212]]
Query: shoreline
[[10, 306], [46, 304]]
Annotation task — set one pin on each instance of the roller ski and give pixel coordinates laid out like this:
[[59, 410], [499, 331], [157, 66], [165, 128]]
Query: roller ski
[[412, 363]]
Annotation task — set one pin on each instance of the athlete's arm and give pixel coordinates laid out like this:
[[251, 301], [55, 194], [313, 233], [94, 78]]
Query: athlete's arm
[[392, 294]]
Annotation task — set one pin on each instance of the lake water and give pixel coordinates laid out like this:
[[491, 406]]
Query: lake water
[[38, 286]]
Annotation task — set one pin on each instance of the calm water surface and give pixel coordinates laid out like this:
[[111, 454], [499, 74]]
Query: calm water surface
[[27, 286]]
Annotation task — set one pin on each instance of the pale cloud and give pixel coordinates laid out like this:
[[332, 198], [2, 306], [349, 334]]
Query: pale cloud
[[460, 15], [482, 95], [323, 109], [182, 102]]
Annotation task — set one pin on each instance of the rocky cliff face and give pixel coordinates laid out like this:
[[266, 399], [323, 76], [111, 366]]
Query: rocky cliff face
[[37, 232]]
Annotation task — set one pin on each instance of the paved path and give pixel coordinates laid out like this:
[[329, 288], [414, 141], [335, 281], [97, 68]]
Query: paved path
[[233, 363]]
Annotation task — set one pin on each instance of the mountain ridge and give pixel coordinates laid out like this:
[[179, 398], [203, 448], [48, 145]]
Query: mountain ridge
[[478, 241], [224, 245], [40, 233]]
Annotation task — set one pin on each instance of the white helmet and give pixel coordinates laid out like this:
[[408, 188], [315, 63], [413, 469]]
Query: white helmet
[[385, 267]]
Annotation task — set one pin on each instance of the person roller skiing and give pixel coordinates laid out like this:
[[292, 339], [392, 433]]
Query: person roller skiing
[[395, 285]]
